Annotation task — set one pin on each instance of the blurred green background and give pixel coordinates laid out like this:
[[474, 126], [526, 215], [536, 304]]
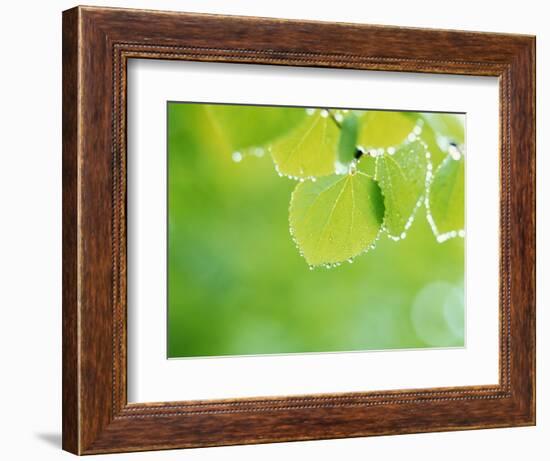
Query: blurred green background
[[236, 282]]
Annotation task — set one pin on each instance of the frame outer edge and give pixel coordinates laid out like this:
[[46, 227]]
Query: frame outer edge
[[533, 55], [528, 140], [522, 250], [70, 178]]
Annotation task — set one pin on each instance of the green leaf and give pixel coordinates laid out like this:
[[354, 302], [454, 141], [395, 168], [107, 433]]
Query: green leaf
[[310, 149], [367, 164], [450, 126], [383, 128], [402, 179], [429, 136], [446, 198], [336, 217], [240, 127], [348, 139]]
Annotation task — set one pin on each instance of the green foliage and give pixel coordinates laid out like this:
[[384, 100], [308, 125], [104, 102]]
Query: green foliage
[[446, 125], [237, 284], [380, 129], [336, 217], [240, 127], [346, 202], [439, 132], [348, 139], [446, 196], [402, 178], [309, 150]]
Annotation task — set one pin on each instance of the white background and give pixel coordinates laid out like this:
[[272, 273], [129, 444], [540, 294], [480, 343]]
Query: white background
[[153, 378], [30, 242]]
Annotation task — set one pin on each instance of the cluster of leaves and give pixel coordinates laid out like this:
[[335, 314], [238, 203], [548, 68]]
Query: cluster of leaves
[[360, 174]]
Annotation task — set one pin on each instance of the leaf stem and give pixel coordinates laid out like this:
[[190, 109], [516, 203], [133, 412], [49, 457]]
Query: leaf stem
[[334, 119]]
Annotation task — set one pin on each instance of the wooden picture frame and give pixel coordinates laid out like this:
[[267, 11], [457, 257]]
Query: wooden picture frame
[[97, 44]]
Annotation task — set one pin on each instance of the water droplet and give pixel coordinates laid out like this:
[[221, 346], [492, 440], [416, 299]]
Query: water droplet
[[461, 233], [443, 142], [259, 152], [391, 150], [454, 152], [339, 117], [340, 168], [417, 129], [324, 113], [403, 235], [310, 111], [313, 179], [411, 137], [237, 156]]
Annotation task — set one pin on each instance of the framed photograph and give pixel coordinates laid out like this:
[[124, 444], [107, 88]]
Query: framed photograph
[[282, 230]]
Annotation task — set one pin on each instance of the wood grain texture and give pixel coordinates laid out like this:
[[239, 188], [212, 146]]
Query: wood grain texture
[[97, 43], [70, 384]]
